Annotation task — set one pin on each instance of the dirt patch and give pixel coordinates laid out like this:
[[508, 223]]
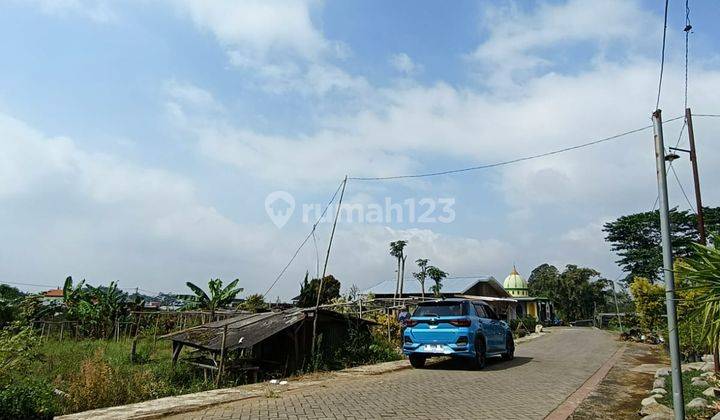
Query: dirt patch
[[618, 396]]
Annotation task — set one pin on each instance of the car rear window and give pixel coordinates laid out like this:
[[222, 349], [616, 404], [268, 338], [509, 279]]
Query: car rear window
[[440, 309]]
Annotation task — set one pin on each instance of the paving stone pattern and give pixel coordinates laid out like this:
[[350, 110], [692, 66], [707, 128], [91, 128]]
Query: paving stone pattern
[[545, 372]]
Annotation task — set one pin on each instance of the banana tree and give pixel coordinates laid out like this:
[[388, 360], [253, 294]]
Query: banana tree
[[219, 295]]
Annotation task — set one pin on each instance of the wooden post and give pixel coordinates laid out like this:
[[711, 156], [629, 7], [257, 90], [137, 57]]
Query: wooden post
[[222, 357], [176, 352], [62, 329]]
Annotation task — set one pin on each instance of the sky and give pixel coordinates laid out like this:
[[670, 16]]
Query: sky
[[149, 142]]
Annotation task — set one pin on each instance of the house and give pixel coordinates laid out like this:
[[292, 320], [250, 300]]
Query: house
[[53, 295], [482, 288]]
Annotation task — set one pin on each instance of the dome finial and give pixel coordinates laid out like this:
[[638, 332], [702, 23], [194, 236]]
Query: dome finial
[[514, 271]]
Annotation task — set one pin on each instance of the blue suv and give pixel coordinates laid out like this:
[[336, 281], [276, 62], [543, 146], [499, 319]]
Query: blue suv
[[456, 328]]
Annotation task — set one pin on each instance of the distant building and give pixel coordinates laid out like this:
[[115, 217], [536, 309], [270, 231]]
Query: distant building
[[53, 295], [482, 288], [539, 307]]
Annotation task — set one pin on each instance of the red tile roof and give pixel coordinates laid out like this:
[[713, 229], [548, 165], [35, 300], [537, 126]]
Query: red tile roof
[[53, 293]]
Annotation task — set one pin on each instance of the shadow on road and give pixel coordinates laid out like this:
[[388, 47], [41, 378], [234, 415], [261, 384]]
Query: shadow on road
[[493, 363]]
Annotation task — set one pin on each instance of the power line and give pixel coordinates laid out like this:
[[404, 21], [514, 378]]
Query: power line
[[26, 284], [662, 56], [302, 244], [682, 189], [508, 162], [706, 115]]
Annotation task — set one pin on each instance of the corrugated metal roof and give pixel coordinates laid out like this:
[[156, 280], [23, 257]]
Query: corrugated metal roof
[[411, 286]]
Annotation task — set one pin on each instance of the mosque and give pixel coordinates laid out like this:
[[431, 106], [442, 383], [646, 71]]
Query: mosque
[[539, 307]]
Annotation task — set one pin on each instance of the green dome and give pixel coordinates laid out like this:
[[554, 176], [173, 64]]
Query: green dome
[[515, 284]]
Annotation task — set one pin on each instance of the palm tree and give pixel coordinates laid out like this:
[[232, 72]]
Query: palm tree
[[219, 296], [396, 250], [422, 275], [436, 275], [702, 271]]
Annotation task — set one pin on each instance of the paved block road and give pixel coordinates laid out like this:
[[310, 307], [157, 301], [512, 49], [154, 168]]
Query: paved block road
[[544, 373]]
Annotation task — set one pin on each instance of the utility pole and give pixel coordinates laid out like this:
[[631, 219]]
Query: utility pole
[[327, 257], [668, 274], [698, 204], [617, 308], [696, 177]]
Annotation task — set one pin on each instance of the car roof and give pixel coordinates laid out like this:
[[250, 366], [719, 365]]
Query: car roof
[[456, 300]]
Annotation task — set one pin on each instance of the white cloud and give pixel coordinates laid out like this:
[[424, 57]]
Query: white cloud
[[404, 64], [518, 42]]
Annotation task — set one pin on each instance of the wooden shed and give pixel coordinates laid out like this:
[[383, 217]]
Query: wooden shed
[[260, 343]]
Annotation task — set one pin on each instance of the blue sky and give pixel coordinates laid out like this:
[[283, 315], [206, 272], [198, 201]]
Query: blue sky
[[142, 138]]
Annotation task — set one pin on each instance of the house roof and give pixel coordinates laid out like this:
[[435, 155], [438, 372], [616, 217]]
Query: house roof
[[53, 293], [244, 331], [457, 285]]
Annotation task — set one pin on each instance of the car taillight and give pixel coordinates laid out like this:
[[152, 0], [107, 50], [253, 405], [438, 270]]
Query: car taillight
[[460, 322], [410, 323]]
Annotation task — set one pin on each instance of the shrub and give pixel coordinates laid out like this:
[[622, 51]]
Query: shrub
[[27, 400], [649, 304], [98, 384], [528, 322]]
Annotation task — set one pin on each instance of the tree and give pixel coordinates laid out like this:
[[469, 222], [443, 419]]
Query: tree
[[9, 292], [702, 272], [218, 297], [637, 241], [421, 276], [255, 303], [543, 281], [649, 304], [575, 293], [397, 250], [309, 291], [437, 275]]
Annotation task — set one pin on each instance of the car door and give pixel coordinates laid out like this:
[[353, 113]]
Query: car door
[[498, 330], [488, 329]]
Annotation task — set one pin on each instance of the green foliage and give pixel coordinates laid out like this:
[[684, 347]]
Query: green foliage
[[636, 239], [219, 296], [689, 392], [17, 350], [421, 275], [649, 304], [309, 291], [700, 279], [527, 322], [255, 303], [9, 292], [27, 399], [10, 299], [437, 275], [575, 293]]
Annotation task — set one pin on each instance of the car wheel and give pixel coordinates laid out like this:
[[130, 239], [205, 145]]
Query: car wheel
[[480, 358], [417, 361], [509, 348]]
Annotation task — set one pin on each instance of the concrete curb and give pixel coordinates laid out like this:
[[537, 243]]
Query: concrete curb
[[179, 404]]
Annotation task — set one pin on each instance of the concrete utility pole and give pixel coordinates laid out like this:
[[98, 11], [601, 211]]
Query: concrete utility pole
[[668, 274], [617, 308]]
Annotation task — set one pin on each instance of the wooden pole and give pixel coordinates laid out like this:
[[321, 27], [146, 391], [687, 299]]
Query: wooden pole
[[699, 205], [327, 257], [222, 357]]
